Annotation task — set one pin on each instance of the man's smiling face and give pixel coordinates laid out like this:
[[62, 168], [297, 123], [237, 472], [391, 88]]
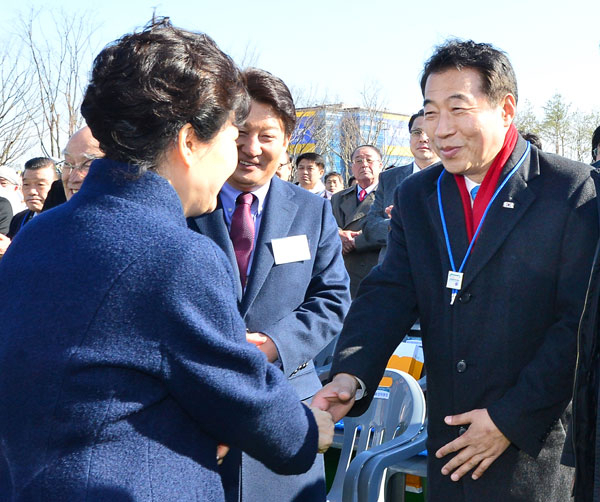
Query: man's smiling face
[[261, 142]]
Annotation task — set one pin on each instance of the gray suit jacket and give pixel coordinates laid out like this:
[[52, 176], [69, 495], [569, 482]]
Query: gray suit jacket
[[377, 223]]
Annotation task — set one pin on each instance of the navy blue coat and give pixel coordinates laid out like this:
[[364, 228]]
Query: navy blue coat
[[123, 356], [300, 305], [508, 343]]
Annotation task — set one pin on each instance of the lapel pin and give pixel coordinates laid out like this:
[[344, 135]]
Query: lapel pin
[[509, 205]]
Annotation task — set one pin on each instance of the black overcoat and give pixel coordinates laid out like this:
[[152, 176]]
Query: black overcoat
[[583, 444], [508, 343]]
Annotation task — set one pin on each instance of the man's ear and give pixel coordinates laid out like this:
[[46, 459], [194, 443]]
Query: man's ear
[[509, 109]]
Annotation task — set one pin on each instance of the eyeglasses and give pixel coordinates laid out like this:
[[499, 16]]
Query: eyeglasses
[[417, 133], [360, 160], [84, 167]]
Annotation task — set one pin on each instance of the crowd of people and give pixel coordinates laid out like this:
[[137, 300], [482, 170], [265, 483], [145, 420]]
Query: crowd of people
[[167, 286]]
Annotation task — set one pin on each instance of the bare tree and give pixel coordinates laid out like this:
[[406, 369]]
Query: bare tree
[[556, 125], [526, 119], [15, 93], [60, 53], [582, 129]]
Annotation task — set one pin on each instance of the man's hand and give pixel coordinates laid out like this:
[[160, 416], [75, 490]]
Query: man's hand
[[388, 210], [478, 447], [222, 450], [265, 344], [337, 397], [347, 238], [4, 243], [326, 428]]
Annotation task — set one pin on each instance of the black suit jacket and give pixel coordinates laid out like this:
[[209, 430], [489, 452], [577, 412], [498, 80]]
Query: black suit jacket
[[16, 223], [377, 223], [508, 342]]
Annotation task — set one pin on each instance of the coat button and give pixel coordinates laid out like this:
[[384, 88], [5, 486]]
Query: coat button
[[464, 298], [462, 430], [461, 366]]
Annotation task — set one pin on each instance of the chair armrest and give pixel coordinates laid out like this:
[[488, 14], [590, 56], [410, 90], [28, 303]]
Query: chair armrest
[[365, 472]]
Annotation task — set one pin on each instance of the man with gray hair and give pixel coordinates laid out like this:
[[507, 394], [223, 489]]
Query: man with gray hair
[[82, 148]]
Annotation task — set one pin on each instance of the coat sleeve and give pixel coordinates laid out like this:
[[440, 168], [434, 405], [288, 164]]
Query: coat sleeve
[[223, 382], [5, 215], [387, 300], [377, 224], [528, 411], [303, 332]]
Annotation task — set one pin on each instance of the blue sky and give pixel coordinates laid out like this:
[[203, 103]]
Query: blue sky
[[337, 47]]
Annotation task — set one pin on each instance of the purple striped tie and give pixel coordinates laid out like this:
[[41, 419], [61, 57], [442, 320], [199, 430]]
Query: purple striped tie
[[242, 233]]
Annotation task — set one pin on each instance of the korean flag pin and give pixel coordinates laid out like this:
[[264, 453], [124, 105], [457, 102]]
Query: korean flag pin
[[508, 205]]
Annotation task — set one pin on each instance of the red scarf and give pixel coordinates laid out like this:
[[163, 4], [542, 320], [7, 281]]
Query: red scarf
[[488, 186]]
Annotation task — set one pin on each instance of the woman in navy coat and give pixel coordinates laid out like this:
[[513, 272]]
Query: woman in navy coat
[[122, 354]]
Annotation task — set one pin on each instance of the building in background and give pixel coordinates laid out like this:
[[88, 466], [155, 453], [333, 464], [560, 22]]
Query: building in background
[[336, 130]]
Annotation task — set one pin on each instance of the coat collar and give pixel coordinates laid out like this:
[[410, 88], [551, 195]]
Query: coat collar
[[353, 210], [107, 177], [508, 208]]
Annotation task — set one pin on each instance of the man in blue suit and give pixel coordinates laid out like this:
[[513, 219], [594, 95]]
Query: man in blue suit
[[293, 286], [377, 223]]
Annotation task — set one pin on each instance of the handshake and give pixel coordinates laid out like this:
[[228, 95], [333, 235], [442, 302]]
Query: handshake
[[325, 425], [331, 404]]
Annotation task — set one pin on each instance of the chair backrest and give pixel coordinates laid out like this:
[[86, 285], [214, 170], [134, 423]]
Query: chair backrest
[[398, 404]]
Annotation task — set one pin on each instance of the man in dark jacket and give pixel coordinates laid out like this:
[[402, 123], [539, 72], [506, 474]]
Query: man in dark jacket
[[582, 442], [491, 249]]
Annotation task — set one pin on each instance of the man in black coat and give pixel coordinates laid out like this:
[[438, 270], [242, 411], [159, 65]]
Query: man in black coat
[[491, 249], [583, 442]]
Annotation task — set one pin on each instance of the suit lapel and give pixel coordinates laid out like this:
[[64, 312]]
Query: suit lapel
[[348, 206], [213, 225], [501, 220], [362, 209], [278, 213]]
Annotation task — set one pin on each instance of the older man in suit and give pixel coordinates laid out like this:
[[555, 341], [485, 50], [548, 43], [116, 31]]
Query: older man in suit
[[350, 208], [377, 223], [293, 287], [491, 249]]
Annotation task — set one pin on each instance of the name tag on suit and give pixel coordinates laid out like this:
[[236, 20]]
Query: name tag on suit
[[290, 249]]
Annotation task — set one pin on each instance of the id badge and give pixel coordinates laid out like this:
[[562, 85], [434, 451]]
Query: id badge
[[454, 280]]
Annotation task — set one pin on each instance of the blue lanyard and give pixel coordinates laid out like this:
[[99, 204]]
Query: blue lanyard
[[439, 194]]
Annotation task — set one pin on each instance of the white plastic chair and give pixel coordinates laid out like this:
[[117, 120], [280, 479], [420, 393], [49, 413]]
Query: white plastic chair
[[396, 412]]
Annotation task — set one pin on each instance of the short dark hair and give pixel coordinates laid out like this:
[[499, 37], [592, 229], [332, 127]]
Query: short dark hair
[[374, 148], [533, 138], [39, 163], [146, 86], [595, 139], [332, 174], [313, 157], [420, 113], [497, 74], [271, 90]]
